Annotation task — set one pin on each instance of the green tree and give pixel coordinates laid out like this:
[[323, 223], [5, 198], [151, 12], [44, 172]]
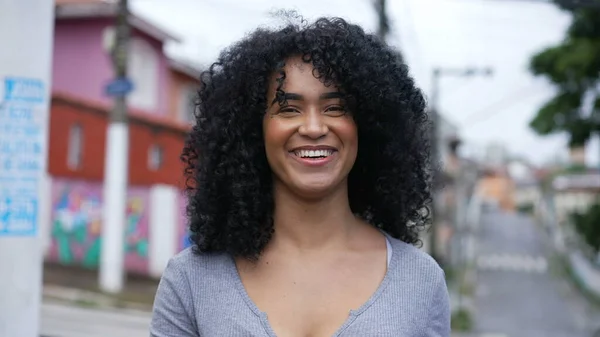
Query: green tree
[[586, 224], [573, 66]]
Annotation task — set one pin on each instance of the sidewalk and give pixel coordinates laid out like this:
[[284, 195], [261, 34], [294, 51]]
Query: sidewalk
[[80, 287]]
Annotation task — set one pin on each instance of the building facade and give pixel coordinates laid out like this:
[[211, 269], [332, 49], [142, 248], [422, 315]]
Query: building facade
[[160, 116]]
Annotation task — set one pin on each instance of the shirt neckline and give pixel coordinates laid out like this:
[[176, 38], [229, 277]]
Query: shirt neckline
[[353, 314]]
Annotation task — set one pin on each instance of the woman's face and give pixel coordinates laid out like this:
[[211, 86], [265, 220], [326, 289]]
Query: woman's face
[[311, 142]]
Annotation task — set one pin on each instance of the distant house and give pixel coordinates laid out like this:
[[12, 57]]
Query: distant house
[[82, 63], [184, 89], [160, 117], [497, 189], [575, 192], [82, 67], [527, 185]]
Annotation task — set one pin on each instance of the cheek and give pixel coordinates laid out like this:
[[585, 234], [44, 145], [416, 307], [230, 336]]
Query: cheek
[[271, 132], [348, 133], [276, 134]]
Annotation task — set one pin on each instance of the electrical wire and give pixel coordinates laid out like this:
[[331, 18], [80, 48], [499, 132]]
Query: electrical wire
[[502, 105]]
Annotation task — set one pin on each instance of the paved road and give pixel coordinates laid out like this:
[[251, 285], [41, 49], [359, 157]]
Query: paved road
[[59, 320], [518, 293]]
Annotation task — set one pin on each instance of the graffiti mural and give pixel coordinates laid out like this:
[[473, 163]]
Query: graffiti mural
[[77, 225], [183, 237]]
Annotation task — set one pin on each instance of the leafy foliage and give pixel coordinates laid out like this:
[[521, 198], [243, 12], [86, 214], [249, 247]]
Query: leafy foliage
[[461, 321], [587, 225], [573, 67]]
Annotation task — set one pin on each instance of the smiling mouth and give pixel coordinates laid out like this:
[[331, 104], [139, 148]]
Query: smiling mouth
[[313, 154]]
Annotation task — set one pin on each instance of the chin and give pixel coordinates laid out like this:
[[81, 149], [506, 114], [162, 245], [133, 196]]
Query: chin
[[315, 190]]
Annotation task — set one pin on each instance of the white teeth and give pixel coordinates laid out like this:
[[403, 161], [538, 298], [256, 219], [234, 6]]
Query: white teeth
[[313, 153]]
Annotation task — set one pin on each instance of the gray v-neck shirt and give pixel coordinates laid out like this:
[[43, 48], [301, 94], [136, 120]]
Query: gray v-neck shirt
[[203, 295]]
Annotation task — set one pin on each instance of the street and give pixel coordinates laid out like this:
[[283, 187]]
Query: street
[[519, 294], [60, 320]]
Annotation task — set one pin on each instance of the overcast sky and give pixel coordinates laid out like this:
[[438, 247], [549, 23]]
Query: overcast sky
[[501, 34]]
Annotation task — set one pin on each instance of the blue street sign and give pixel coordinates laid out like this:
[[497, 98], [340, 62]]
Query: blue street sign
[[118, 87]]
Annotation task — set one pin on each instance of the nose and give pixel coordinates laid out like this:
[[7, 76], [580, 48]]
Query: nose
[[313, 125]]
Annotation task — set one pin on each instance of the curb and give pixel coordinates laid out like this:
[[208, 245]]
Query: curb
[[90, 299]]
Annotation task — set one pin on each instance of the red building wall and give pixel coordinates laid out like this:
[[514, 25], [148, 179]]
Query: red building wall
[[144, 132]]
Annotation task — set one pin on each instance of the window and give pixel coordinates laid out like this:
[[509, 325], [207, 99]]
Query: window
[[187, 103], [155, 157], [143, 70], [74, 151]]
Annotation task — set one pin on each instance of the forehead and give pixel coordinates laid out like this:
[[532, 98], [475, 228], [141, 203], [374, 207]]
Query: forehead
[[299, 78]]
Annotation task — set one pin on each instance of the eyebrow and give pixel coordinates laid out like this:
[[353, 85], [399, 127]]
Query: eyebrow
[[290, 96]]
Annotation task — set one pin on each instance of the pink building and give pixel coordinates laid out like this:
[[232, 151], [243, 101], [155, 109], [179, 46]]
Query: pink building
[[160, 113], [82, 63]]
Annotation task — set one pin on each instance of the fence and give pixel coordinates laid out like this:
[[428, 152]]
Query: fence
[[583, 264]]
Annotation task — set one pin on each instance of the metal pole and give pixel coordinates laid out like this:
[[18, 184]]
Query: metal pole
[[435, 160], [26, 32], [383, 27], [111, 275], [436, 141]]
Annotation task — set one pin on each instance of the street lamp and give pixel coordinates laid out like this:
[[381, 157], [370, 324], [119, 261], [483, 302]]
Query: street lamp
[[437, 73]]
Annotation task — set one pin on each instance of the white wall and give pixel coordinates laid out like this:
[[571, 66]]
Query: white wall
[[143, 71], [163, 227]]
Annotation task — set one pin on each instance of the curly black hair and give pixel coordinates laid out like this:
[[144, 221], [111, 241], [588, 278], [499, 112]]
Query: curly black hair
[[229, 181]]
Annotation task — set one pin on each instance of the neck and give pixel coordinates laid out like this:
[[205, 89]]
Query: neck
[[312, 224]]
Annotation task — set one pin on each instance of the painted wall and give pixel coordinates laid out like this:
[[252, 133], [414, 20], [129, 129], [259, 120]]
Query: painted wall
[[82, 67], [77, 221], [181, 84], [94, 123], [182, 225]]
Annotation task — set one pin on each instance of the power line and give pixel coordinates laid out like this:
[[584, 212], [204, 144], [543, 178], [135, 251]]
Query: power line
[[502, 105], [569, 3]]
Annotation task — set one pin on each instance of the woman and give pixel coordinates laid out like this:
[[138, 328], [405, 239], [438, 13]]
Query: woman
[[307, 180]]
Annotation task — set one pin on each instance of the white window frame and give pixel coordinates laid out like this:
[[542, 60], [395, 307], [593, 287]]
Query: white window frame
[[156, 157], [75, 147]]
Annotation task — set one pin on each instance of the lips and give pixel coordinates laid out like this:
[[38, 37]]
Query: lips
[[314, 155]]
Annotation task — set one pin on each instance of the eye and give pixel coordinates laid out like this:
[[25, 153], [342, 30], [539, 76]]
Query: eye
[[335, 110], [288, 111]]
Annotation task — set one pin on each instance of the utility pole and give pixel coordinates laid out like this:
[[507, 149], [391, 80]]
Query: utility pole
[[26, 32], [383, 25], [436, 159], [111, 275]]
